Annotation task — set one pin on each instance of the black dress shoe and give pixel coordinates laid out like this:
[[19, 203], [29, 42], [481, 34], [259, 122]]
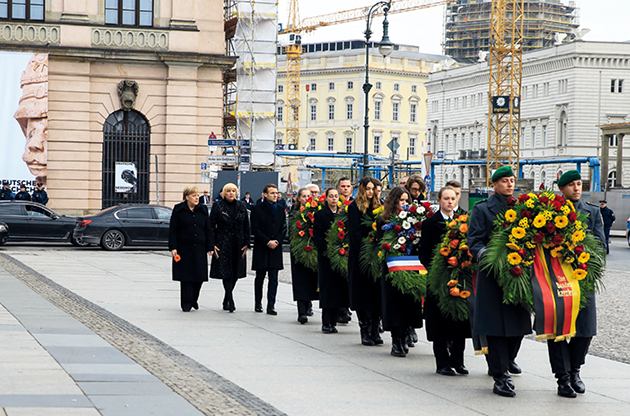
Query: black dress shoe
[[409, 341], [231, 306], [226, 305], [502, 388], [462, 370], [564, 386], [258, 308], [302, 319], [196, 306], [514, 368], [414, 335], [329, 329], [509, 381], [576, 382], [343, 319], [186, 309], [446, 371], [309, 312], [271, 312]]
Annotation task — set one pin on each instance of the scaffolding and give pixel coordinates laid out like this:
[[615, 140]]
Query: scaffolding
[[467, 26], [249, 92]]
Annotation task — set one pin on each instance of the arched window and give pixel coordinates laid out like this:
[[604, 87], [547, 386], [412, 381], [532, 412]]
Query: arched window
[[126, 158], [612, 179]]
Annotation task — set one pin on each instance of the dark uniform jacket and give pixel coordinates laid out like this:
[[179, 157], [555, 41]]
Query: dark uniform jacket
[[6, 194], [586, 323], [267, 227], [492, 316], [608, 216], [365, 292], [333, 287], [23, 196], [438, 327], [231, 234], [303, 279], [190, 234], [40, 196]]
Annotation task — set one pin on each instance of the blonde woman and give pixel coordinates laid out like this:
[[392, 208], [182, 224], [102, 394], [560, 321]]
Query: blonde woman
[[190, 241]]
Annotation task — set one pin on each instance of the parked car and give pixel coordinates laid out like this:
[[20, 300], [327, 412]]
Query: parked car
[[4, 233], [32, 221], [628, 231], [125, 225]]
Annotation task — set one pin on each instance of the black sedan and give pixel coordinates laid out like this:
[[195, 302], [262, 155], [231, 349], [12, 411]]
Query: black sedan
[[31, 221], [4, 233], [122, 225]]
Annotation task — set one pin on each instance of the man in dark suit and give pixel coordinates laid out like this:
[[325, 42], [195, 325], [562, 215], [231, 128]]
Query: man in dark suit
[[609, 219], [205, 198], [269, 227], [567, 357], [249, 202], [503, 325]]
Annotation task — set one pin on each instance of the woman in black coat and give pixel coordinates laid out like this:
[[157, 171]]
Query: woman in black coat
[[365, 292], [448, 336], [333, 287], [229, 221], [190, 241], [400, 311], [303, 279]]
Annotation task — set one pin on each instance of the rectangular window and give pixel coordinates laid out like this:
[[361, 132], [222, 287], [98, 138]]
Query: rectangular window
[[313, 112], [331, 143], [613, 85], [279, 140], [28, 10], [446, 146], [412, 112], [129, 12], [479, 140], [435, 106], [395, 111], [544, 136], [313, 87], [464, 101], [279, 112], [533, 136], [396, 87], [377, 85], [620, 86], [331, 111], [280, 88], [313, 143], [414, 89], [331, 86], [545, 89], [377, 110], [522, 137], [412, 145], [455, 143], [349, 114], [535, 91], [350, 85], [562, 86], [377, 143], [523, 92], [616, 85], [348, 144]]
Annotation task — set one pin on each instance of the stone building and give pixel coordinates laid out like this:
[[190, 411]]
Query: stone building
[[568, 92], [172, 55]]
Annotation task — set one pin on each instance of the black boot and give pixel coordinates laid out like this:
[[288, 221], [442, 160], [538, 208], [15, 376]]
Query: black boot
[[397, 347], [502, 388], [376, 336], [366, 337], [414, 335], [576, 382], [403, 342], [564, 386], [409, 338]]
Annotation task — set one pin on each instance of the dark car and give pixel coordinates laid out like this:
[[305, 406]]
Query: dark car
[[32, 221], [4, 233], [125, 225]]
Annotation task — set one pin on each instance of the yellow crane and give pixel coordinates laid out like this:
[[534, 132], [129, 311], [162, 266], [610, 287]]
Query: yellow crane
[[294, 49], [505, 64]]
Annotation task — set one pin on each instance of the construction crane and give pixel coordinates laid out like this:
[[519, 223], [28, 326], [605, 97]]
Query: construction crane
[[294, 49], [505, 66]]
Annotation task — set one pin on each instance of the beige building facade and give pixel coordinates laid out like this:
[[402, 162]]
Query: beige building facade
[[175, 53], [332, 101]]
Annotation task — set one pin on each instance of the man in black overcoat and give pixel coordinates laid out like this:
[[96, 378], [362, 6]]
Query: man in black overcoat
[[567, 357], [503, 325], [269, 228], [608, 216]]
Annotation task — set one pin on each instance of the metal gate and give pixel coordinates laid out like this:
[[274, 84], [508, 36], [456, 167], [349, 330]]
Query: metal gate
[[126, 155]]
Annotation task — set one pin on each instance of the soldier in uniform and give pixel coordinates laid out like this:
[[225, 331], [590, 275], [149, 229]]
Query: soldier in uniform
[[503, 325], [567, 357]]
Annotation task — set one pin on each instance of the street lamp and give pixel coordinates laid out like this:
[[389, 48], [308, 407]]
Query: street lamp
[[385, 48]]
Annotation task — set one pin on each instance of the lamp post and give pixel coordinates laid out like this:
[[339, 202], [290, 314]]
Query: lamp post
[[385, 48]]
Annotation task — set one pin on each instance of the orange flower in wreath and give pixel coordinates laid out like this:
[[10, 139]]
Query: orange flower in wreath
[[445, 251]]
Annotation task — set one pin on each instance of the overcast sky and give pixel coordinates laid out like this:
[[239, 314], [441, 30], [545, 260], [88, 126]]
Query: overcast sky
[[607, 19]]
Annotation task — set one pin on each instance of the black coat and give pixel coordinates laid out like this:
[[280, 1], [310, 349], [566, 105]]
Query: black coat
[[230, 236], [6, 194], [365, 292], [266, 228], [492, 316], [397, 309], [40, 196], [190, 234], [438, 326], [333, 287], [23, 196], [303, 279], [608, 216]]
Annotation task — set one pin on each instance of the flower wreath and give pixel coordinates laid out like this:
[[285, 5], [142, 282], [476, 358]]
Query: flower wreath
[[452, 269], [337, 241], [402, 234], [301, 234], [370, 259], [552, 222]]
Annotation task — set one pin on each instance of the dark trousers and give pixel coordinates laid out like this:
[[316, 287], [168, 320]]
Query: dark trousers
[[303, 306], [329, 316], [567, 356], [272, 287], [449, 354], [607, 234], [228, 286], [189, 294], [502, 350]]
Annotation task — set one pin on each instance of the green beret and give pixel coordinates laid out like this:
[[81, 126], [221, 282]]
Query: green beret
[[502, 172], [568, 177]]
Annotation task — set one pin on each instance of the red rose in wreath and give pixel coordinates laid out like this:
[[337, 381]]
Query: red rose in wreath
[[417, 226], [310, 216], [526, 214], [572, 216], [341, 235], [413, 209], [426, 205], [310, 232], [523, 198], [386, 246], [340, 224], [299, 224], [511, 201], [397, 229], [583, 266], [342, 251], [557, 239], [578, 250], [516, 271]]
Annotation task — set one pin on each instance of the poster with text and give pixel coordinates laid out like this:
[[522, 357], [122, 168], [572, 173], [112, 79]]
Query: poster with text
[[126, 178]]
